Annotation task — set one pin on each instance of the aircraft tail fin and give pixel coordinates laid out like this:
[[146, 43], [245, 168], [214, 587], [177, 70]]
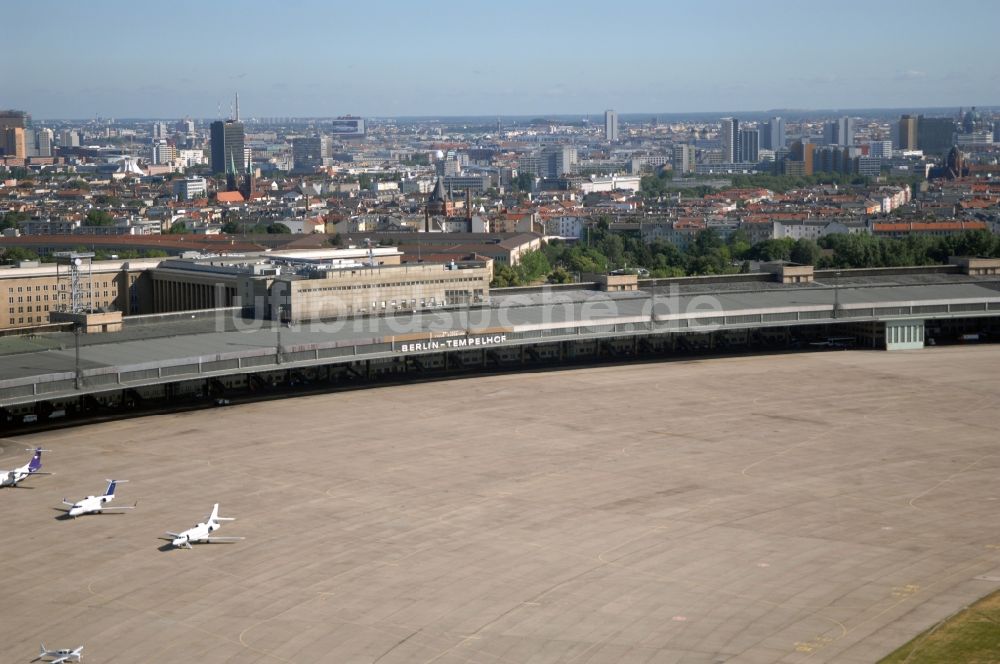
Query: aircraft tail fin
[[111, 488], [36, 460], [215, 513]]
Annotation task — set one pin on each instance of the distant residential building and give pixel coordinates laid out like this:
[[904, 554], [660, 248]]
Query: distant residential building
[[610, 126], [190, 187], [189, 158], [228, 145], [729, 134], [476, 184], [683, 159]]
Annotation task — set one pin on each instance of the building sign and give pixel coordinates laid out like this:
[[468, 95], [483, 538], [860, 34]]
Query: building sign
[[452, 344]]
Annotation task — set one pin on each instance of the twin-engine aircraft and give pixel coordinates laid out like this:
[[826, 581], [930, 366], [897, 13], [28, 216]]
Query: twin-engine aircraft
[[96, 504], [203, 531], [33, 467]]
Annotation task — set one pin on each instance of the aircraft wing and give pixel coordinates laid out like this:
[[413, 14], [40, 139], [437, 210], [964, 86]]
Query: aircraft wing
[[59, 660], [118, 507], [66, 502], [225, 539]]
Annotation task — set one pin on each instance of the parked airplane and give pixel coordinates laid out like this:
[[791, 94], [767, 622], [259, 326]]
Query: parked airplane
[[96, 504], [59, 656], [12, 477], [202, 532]]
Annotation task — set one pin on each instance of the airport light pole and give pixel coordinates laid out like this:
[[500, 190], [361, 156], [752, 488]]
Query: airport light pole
[[836, 292], [77, 378]]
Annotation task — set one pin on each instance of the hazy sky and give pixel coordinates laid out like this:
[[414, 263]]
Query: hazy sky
[[135, 58]]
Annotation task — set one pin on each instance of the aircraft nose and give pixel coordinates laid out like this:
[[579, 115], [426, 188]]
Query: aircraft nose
[[75, 511]]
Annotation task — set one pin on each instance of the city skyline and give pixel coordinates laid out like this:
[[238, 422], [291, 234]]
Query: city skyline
[[314, 60]]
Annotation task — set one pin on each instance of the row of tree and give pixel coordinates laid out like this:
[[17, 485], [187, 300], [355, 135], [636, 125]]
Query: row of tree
[[710, 253]]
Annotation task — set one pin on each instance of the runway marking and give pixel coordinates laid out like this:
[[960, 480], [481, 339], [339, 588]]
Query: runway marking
[[946, 480], [166, 617]]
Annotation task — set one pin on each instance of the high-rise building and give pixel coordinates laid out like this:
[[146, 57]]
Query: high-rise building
[[159, 130], [730, 136], [308, 152], [880, 149], [683, 159], [69, 138], [14, 119], [164, 152], [907, 138], [43, 142], [935, 136], [610, 126], [749, 146], [228, 143], [773, 134], [839, 132], [14, 143], [845, 131]]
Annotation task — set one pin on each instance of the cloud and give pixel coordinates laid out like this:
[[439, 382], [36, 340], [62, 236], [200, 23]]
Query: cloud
[[911, 75]]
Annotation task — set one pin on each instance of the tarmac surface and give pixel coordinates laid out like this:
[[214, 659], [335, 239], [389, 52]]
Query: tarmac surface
[[822, 507]]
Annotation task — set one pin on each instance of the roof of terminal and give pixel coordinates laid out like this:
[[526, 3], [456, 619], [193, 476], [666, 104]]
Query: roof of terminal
[[154, 338]]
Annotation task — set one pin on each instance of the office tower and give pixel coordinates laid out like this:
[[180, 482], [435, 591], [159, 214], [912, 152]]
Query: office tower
[[562, 160], [935, 136], [907, 139], [730, 136], [13, 143], [775, 134], [159, 130], [996, 132], [683, 159], [164, 152], [880, 149], [227, 146], [845, 131], [308, 152], [69, 138], [14, 119], [610, 126], [749, 146], [829, 133]]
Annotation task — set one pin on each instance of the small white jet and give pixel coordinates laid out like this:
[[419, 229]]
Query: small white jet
[[33, 467], [59, 656], [96, 504], [203, 531]]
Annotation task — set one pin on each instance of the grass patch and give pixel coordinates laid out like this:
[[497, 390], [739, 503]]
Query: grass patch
[[970, 637]]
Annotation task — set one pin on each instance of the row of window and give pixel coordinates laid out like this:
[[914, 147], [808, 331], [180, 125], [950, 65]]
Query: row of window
[[38, 298], [21, 289], [389, 285]]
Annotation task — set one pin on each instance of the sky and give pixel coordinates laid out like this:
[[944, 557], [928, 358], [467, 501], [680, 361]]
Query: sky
[[321, 58]]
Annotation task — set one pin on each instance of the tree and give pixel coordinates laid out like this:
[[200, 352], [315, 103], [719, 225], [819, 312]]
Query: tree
[[178, 228], [278, 228], [98, 218], [524, 182], [560, 276], [805, 252], [365, 181], [12, 219], [533, 266], [11, 255], [504, 276]]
